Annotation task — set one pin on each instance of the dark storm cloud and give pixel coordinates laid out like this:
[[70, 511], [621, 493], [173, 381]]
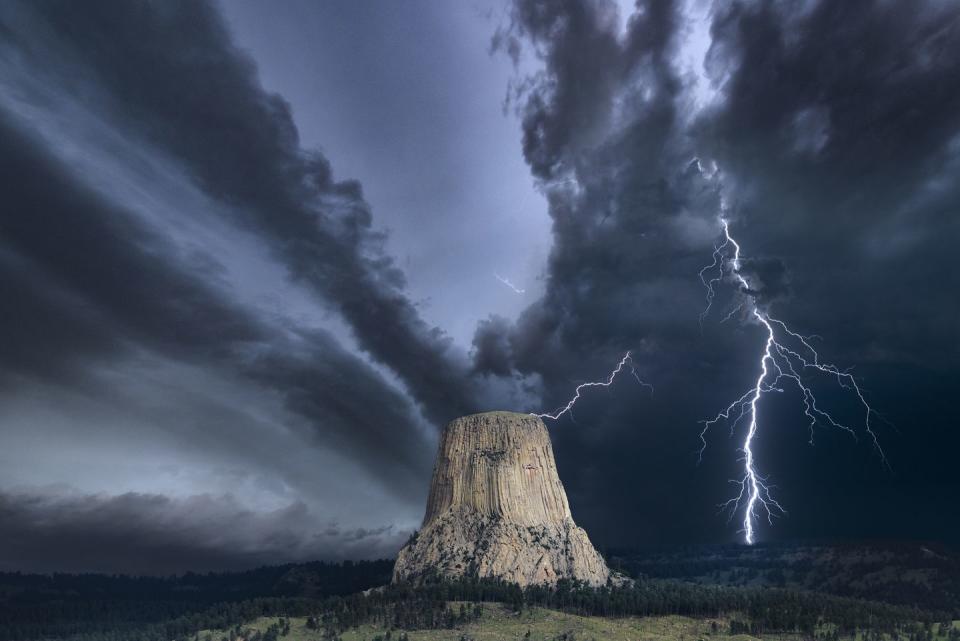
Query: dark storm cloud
[[169, 73], [841, 124], [768, 278], [136, 533], [491, 349], [830, 139], [836, 131], [91, 281], [561, 115], [610, 128], [93, 285], [69, 258], [629, 232]]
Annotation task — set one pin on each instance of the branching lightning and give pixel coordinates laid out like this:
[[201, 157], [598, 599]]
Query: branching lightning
[[786, 355], [505, 281], [626, 361]]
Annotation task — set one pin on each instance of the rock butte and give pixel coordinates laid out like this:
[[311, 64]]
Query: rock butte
[[497, 509]]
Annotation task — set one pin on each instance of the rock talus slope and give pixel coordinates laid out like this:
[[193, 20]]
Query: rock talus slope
[[497, 509]]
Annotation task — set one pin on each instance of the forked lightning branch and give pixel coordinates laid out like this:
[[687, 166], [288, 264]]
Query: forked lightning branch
[[625, 362], [786, 358]]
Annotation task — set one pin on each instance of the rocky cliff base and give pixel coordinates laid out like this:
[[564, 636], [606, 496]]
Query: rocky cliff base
[[458, 545]]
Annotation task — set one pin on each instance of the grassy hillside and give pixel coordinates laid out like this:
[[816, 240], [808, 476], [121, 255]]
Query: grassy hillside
[[897, 592], [499, 623]]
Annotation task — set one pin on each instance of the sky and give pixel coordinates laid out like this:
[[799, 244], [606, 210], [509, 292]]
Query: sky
[[254, 256]]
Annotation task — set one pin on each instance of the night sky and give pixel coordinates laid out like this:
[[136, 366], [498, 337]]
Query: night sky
[[249, 256]]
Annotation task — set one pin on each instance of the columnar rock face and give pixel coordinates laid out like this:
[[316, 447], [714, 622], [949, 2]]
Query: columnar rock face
[[497, 509]]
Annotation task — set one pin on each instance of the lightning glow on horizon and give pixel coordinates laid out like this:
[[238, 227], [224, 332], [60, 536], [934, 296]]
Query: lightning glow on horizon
[[786, 355], [626, 361]]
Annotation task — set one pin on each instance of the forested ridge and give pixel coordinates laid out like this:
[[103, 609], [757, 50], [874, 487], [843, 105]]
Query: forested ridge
[[34, 606], [903, 573], [335, 597]]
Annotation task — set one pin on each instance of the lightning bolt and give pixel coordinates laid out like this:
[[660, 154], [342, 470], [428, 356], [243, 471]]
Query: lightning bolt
[[626, 361], [786, 355], [506, 282]]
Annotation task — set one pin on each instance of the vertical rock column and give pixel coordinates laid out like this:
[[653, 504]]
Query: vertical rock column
[[497, 509]]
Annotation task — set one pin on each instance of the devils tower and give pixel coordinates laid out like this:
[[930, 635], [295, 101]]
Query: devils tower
[[497, 509]]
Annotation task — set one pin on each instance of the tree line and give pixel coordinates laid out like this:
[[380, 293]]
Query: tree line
[[427, 606]]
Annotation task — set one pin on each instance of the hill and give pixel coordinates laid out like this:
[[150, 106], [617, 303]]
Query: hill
[[495, 622], [920, 574], [857, 592]]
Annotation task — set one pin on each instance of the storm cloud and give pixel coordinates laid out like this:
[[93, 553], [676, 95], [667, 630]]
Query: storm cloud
[[211, 355], [61, 532], [122, 163], [827, 134], [172, 75]]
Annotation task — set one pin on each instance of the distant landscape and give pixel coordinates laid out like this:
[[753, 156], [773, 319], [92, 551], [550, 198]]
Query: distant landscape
[[876, 591], [479, 320]]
